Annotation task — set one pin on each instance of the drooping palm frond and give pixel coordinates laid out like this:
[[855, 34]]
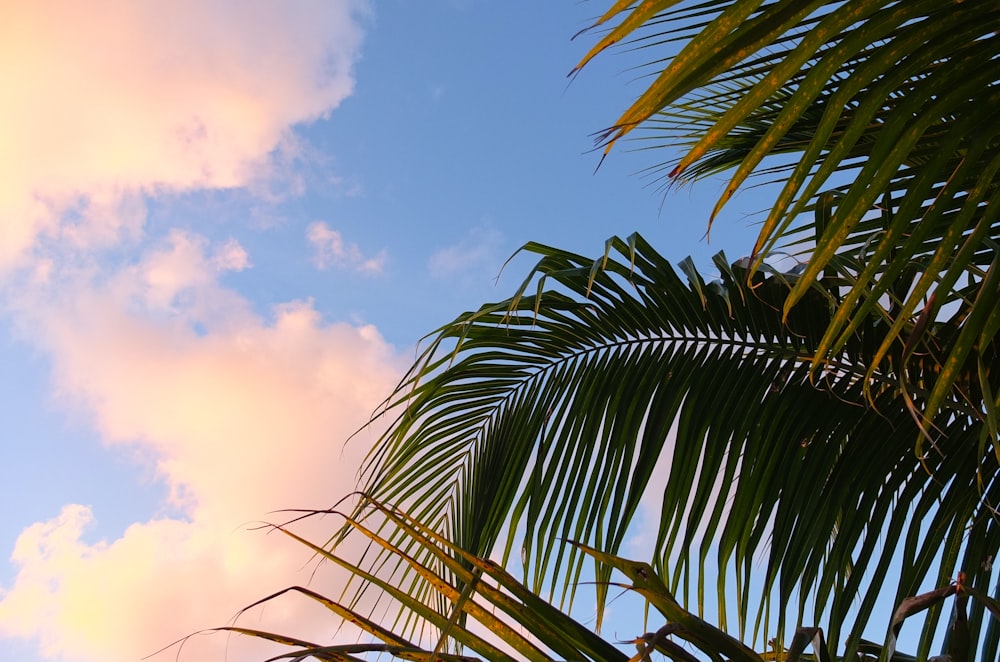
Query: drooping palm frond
[[481, 612], [545, 418], [477, 611], [897, 99]]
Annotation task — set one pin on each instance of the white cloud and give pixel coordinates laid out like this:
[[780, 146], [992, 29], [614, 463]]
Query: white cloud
[[109, 104], [161, 581], [242, 415], [231, 257], [330, 250], [108, 100], [477, 251]]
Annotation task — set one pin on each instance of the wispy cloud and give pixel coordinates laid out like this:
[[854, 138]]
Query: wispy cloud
[[347, 187], [330, 250], [477, 252]]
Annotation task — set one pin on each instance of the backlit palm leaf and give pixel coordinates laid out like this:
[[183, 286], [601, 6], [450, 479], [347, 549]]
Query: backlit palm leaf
[[485, 613], [898, 99], [542, 419]]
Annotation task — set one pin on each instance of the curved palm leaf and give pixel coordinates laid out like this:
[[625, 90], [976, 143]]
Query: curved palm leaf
[[897, 98], [480, 612], [543, 419], [477, 608]]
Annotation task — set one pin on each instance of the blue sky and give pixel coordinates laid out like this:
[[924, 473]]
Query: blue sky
[[225, 225]]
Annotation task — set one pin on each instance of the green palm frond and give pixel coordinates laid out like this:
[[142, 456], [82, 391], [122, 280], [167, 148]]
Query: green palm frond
[[897, 99], [481, 612], [543, 418], [477, 610]]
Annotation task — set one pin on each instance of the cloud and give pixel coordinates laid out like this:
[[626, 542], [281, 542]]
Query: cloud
[[330, 250], [107, 101], [478, 251], [241, 414], [159, 582], [110, 105], [347, 187]]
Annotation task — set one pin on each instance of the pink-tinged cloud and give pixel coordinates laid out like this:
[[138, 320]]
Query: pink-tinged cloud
[[107, 104], [107, 100], [122, 600], [330, 250], [241, 414]]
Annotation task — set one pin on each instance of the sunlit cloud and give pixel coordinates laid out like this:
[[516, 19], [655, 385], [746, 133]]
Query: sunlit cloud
[[330, 250], [106, 101], [241, 414], [240, 409], [158, 583]]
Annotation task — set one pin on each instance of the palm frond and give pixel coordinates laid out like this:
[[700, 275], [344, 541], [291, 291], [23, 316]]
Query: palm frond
[[887, 105], [543, 419], [479, 611], [477, 608]]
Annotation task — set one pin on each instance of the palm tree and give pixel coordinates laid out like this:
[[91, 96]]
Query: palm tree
[[838, 421]]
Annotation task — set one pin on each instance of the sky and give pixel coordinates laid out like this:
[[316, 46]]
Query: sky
[[224, 228]]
